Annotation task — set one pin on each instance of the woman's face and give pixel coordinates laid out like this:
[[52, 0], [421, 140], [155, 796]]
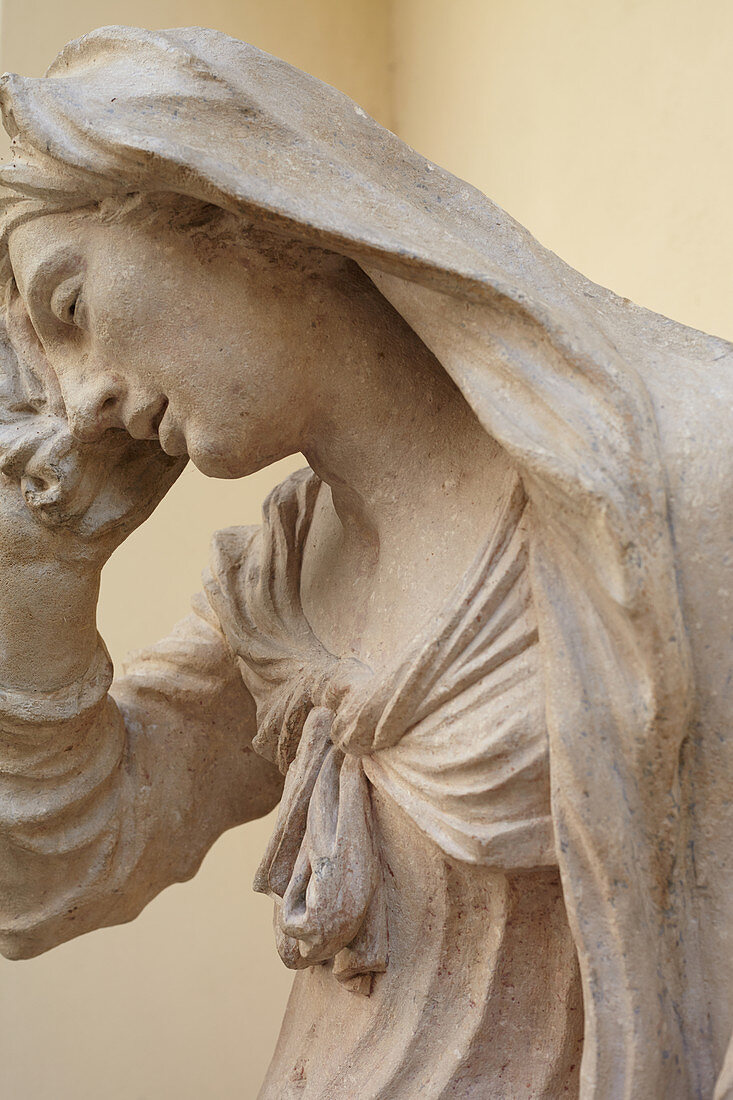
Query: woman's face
[[165, 334]]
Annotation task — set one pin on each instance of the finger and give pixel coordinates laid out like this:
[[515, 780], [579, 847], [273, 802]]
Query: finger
[[20, 440]]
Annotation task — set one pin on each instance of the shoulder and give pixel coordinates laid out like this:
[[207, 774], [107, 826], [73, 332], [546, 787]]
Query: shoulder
[[693, 404], [293, 499], [246, 562], [290, 502]]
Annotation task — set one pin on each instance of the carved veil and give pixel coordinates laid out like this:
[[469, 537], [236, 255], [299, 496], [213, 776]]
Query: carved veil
[[558, 370]]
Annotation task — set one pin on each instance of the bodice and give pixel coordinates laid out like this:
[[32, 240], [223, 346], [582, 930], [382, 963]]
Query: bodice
[[452, 732]]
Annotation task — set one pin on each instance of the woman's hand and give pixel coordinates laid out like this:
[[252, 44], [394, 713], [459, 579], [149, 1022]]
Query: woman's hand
[[64, 507], [79, 500]]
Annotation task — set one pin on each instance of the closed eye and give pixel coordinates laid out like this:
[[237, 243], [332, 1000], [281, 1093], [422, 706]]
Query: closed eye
[[66, 301], [50, 283]]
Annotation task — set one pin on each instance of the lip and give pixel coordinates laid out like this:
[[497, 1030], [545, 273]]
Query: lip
[[157, 418], [144, 423], [170, 436]]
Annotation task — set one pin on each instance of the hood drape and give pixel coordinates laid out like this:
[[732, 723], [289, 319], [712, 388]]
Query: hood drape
[[535, 349]]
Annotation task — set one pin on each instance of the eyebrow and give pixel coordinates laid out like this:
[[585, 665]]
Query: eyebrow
[[49, 267]]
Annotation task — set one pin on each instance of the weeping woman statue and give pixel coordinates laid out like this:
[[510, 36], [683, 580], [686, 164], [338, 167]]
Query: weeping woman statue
[[479, 648]]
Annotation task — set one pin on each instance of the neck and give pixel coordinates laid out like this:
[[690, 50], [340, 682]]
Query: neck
[[392, 435]]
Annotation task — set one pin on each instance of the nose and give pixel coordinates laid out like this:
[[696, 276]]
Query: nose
[[92, 408]]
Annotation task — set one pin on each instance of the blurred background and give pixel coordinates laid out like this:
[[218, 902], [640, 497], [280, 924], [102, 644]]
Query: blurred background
[[607, 130]]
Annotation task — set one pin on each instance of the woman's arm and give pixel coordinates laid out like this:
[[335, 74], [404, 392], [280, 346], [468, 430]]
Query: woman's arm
[[107, 799]]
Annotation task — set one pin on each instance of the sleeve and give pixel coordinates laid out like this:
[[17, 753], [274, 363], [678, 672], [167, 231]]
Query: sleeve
[[108, 796]]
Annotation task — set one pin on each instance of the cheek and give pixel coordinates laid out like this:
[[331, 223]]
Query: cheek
[[216, 341], [76, 365], [146, 355], [142, 312]]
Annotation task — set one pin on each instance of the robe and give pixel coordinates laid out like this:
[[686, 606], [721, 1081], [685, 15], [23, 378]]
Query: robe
[[413, 865]]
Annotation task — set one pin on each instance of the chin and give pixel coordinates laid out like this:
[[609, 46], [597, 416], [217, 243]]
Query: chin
[[232, 462], [216, 465], [224, 466]]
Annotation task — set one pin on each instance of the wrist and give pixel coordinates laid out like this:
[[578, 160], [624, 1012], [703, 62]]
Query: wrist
[[48, 632], [72, 701]]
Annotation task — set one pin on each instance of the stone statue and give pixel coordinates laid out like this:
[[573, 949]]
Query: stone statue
[[478, 651]]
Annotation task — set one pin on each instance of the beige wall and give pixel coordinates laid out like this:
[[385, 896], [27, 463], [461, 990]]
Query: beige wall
[[606, 128], [345, 44]]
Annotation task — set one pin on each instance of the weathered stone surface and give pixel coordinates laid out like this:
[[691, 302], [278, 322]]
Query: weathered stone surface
[[479, 651]]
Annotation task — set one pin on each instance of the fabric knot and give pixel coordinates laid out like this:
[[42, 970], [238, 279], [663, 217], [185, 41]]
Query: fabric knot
[[322, 867], [327, 683]]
